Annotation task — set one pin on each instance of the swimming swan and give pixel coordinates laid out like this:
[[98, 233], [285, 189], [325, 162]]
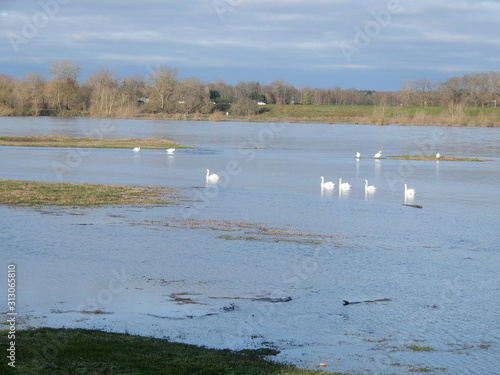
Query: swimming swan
[[358, 155], [409, 192], [370, 188], [438, 155], [212, 177], [344, 185], [326, 185], [137, 149], [170, 151], [378, 155]]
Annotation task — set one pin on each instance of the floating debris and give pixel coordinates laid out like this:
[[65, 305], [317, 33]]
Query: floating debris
[[368, 301]]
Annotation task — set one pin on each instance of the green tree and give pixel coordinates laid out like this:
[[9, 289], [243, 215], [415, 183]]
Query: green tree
[[308, 98], [257, 96]]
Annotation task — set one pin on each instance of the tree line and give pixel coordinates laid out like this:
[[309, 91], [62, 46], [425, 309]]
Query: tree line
[[160, 91]]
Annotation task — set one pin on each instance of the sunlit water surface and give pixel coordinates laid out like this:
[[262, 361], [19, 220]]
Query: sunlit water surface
[[207, 270]]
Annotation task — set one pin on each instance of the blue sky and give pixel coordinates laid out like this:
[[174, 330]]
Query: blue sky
[[366, 44]]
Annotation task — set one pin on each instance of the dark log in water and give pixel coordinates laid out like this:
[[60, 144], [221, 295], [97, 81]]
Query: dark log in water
[[412, 205], [369, 301]]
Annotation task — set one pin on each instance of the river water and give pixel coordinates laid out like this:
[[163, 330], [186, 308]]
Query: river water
[[218, 268]]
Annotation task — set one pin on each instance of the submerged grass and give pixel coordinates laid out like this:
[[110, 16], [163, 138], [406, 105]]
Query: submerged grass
[[47, 351], [417, 348], [30, 193], [433, 158], [59, 141]]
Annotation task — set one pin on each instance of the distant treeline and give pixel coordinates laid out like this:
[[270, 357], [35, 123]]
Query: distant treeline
[[161, 92]]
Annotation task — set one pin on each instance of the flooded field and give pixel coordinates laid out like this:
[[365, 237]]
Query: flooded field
[[265, 257]]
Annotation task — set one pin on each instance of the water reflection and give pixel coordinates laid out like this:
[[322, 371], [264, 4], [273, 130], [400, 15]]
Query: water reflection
[[326, 192], [369, 195], [137, 159], [344, 193], [377, 167], [170, 160]]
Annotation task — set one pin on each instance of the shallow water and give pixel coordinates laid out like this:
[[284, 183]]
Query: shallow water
[[438, 264]]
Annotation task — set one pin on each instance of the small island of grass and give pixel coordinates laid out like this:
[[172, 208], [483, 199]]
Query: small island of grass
[[30, 193], [77, 351], [434, 158], [60, 141]]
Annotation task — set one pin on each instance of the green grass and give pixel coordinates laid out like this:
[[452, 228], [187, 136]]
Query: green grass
[[30, 193], [47, 351], [417, 348], [59, 141], [395, 115], [433, 158]]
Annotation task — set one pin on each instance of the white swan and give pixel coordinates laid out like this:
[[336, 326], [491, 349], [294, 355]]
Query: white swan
[[370, 188], [358, 155], [344, 185], [212, 177], [378, 155], [170, 151], [137, 149], [438, 155], [409, 192], [326, 185]]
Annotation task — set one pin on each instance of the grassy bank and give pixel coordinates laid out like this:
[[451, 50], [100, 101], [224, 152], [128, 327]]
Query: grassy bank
[[59, 141], [29, 193], [73, 351], [381, 115], [342, 114], [350, 114], [433, 158]]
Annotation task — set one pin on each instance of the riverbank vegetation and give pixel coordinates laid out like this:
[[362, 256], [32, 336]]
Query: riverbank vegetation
[[76, 351], [469, 100], [434, 158], [60, 141], [31, 193]]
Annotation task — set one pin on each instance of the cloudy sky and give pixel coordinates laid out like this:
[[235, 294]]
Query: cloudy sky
[[366, 44]]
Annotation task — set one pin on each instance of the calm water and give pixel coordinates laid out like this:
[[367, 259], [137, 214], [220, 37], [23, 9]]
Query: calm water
[[438, 265]]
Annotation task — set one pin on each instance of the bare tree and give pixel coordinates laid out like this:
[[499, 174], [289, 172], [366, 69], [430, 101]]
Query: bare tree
[[452, 90], [163, 83], [35, 84], [408, 92], [62, 89], [6, 92], [192, 96], [422, 88], [104, 91]]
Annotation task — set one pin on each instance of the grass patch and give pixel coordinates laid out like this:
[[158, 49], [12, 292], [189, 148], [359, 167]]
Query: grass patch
[[30, 193], [236, 238], [47, 351], [433, 158], [59, 141], [417, 348], [379, 115]]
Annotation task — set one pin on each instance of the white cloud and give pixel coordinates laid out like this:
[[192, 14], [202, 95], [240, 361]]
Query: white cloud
[[296, 34]]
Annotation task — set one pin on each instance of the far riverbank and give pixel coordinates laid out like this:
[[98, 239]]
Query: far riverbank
[[329, 114]]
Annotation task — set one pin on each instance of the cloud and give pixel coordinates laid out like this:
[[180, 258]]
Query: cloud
[[295, 36]]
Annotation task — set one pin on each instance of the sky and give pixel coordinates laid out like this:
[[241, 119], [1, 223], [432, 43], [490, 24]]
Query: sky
[[363, 44]]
